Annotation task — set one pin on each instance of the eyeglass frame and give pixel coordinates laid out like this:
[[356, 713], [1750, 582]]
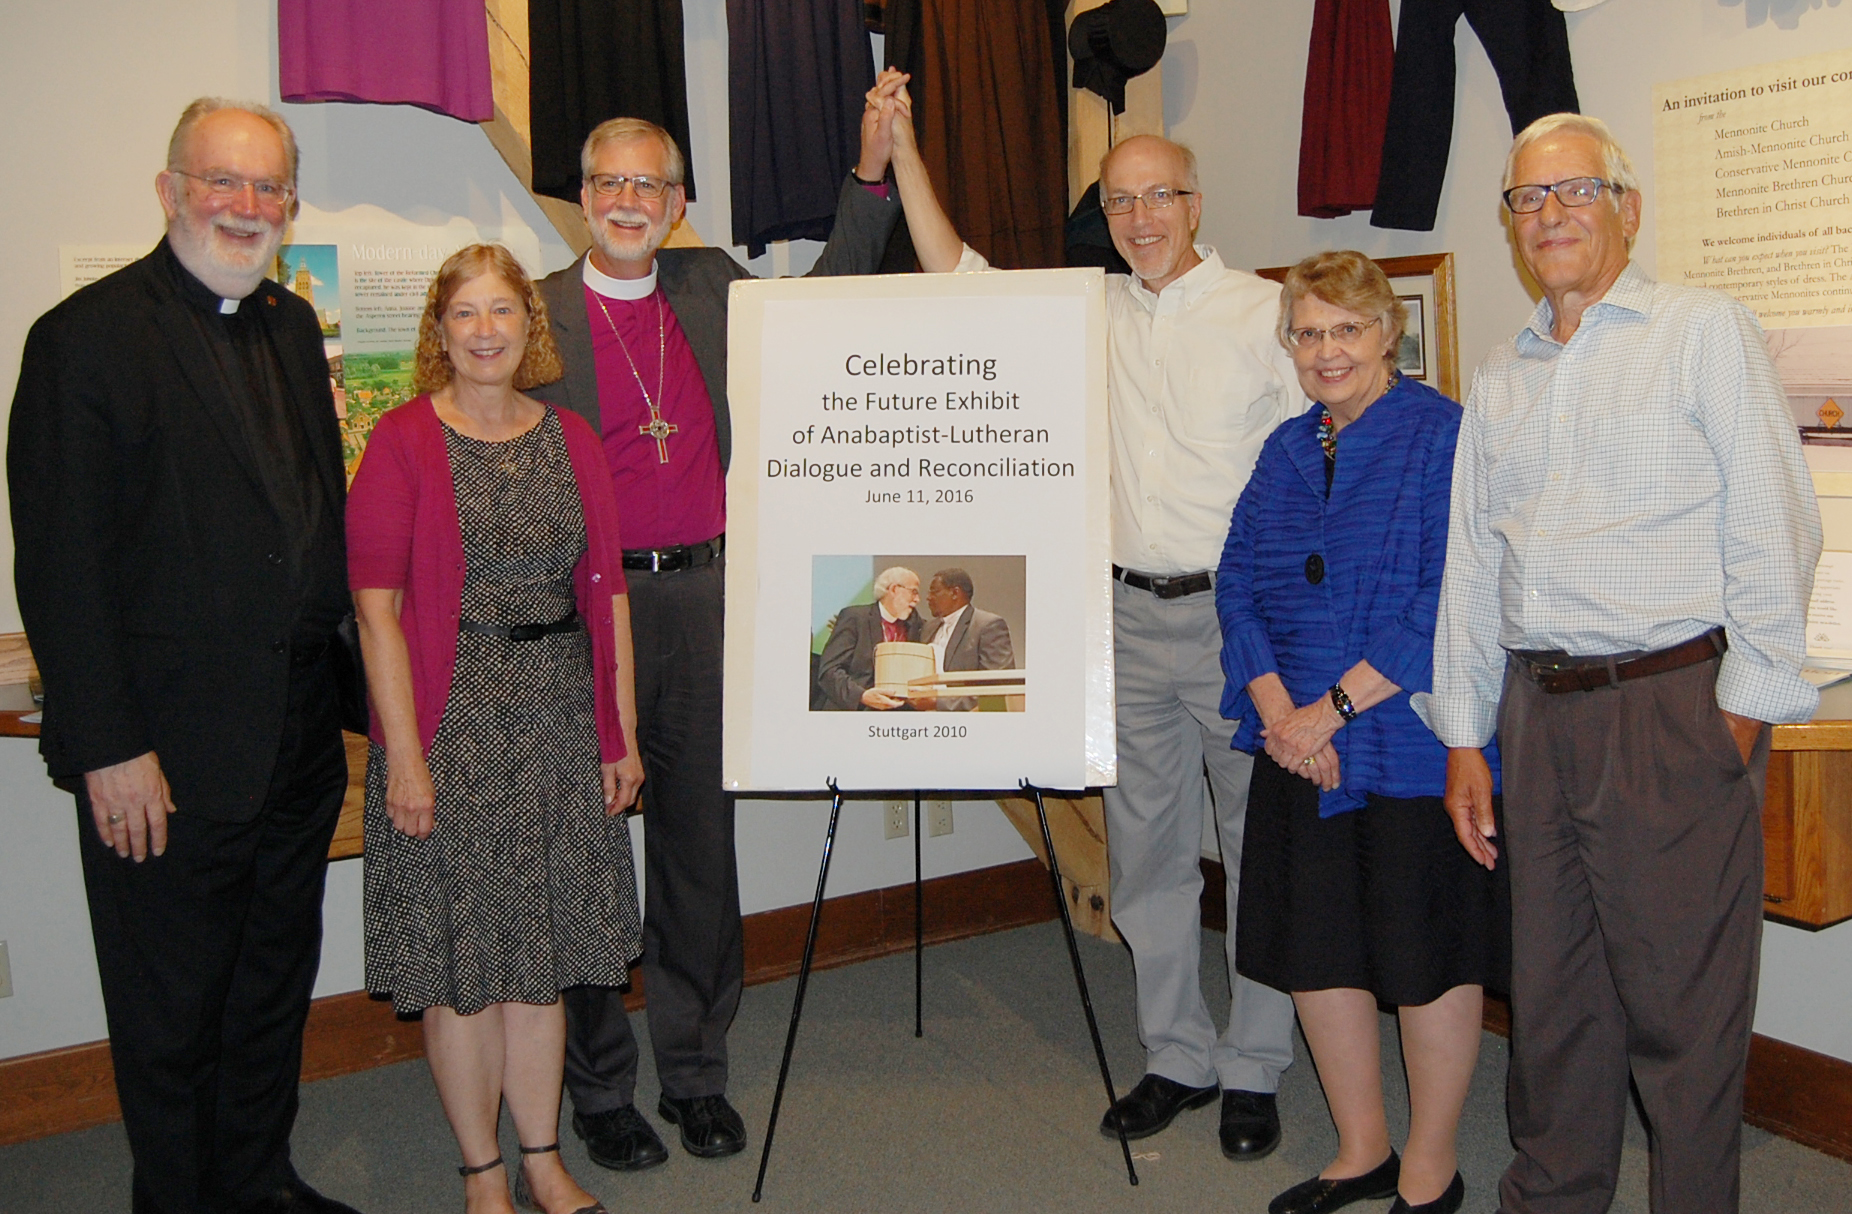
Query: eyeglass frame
[[254, 184], [1554, 189], [1319, 335], [1131, 199], [634, 181]]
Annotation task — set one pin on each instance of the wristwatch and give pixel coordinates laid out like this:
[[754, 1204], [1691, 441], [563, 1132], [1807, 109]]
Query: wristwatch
[[1341, 702]]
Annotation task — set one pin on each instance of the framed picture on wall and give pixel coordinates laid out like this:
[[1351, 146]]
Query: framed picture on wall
[[1430, 347]]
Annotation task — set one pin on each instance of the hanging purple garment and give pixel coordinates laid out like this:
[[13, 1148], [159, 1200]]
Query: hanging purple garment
[[430, 53]]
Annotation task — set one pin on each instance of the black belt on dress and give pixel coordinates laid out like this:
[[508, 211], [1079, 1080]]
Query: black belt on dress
[[1558, 673], [675, 557], [1165, 587], [523, 632]]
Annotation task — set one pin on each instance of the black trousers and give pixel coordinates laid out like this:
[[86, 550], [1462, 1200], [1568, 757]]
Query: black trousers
[[1634, 833], [693, 962], [207, 955], [1528, 44]]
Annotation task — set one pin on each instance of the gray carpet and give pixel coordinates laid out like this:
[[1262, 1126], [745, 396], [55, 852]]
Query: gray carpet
[[996, 1109]]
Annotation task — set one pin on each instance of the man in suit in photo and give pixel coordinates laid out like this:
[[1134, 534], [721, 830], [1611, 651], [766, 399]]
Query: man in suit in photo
[[965, 637], [177, 493], [846, 672], [643, 332]]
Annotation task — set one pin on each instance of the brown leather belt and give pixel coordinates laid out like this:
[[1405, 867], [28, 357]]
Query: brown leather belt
[[1558, 673], [1165, 587]]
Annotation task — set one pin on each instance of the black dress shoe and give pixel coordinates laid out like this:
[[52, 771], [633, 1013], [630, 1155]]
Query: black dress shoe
[[710, 1126], [1315, 1196], [1250, 1124], [1153, 1104], [299, 1198], [620, 1139], [1447, 1203]]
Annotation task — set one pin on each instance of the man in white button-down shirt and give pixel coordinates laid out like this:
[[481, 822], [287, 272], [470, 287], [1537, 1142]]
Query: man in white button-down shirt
[[1631, 550], [1196, 382]]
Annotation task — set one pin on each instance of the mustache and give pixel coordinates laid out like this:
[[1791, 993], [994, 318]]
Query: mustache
[[628, 215], [243, 227]]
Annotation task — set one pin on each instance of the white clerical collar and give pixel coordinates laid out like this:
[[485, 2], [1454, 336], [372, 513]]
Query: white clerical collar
[[888, 616], [228, 306], [620, 288]]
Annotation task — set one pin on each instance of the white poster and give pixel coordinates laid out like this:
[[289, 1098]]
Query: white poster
[[944, 432]]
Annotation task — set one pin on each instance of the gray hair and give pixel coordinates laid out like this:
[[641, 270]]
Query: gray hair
[[618, 129], [1345, 278], [1190, 181], [1614, 162], [890, 575], [202, 107]]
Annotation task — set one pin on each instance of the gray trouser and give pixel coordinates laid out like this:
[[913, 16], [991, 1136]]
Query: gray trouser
[[1167, 656], [1634, 831]]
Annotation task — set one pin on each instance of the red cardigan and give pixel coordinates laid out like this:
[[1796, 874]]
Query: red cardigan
[[403, 534]]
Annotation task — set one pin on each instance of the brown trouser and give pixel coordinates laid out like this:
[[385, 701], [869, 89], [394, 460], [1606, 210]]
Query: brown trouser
[[1634, 832]]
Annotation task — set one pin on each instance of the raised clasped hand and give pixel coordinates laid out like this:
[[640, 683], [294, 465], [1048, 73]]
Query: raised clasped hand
[[878, 116]]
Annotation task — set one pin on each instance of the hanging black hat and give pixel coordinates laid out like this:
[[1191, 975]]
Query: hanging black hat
[[1113, 43]]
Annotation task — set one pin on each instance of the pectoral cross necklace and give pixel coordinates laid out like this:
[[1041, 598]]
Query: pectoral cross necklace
[[657, 428]]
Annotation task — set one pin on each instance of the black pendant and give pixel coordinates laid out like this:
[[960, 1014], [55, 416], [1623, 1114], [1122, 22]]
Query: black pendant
[[1315, 569]]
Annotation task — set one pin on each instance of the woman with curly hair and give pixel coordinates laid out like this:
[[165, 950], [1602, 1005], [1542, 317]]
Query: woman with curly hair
[[488, 582]]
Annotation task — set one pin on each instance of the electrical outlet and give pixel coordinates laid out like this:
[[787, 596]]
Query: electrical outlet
[[894, 819], [938, 818], [6, 973]]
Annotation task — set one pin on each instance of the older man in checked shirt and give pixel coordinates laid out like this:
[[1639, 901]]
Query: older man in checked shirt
[[1631, 550]]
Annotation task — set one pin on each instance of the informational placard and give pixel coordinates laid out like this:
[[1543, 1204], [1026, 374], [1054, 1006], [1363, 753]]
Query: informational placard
[[1753, 187], [918, 565]]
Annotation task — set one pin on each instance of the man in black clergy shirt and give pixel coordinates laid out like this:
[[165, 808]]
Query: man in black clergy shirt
[[643, 331], [176, 496]]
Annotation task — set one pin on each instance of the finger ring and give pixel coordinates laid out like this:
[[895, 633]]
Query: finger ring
[[114, 818], [1310, 761]]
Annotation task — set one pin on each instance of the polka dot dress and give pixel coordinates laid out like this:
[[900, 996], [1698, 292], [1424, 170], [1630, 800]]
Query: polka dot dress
[[525, 886]]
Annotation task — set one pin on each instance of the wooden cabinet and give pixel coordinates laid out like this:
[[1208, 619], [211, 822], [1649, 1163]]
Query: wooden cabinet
[[1807, 817]]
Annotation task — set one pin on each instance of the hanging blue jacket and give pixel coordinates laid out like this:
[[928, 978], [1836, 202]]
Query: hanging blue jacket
[[1380, 542]]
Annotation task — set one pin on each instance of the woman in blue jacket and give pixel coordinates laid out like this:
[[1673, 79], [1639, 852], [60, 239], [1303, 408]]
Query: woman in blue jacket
[[1353, 887]]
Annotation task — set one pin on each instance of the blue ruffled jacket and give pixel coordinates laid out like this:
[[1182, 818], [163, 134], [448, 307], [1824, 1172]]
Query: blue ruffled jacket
[[1382, 541]]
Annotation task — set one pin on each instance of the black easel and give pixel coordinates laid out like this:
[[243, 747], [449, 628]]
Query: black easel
[[810, 946]]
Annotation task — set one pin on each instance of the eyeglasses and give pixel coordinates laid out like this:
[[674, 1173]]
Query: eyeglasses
[[1347, 334], [1575, 192], [646, 187], [224, 185], [1154, 200]]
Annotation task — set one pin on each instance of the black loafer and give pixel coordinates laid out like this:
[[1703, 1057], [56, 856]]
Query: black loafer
[[1315, 1196], [1153, 1104], [1250, 1124], [710, 1126], [620, 1139], [1448, 1202]]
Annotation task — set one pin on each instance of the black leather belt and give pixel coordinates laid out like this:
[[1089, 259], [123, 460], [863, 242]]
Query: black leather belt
[[523, 632], [1558, 673], [679, 556], [1165, 587]]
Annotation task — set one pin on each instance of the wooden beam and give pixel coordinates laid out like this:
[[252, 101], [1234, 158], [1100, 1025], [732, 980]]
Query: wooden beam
[[1078, 827]]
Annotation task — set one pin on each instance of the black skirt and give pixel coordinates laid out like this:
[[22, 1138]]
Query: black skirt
[[1382, 899]]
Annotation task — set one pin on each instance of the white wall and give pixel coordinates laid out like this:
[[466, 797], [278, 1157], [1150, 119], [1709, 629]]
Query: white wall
[[1233, 89], [92, 89]]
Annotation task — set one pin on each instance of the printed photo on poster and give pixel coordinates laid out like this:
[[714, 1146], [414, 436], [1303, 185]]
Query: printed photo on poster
[[920, 633]]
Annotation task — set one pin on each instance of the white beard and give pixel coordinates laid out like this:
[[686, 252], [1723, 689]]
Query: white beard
[[232, 270]]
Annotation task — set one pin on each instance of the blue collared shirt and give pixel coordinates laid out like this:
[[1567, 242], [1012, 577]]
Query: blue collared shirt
[[1625, 491]]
